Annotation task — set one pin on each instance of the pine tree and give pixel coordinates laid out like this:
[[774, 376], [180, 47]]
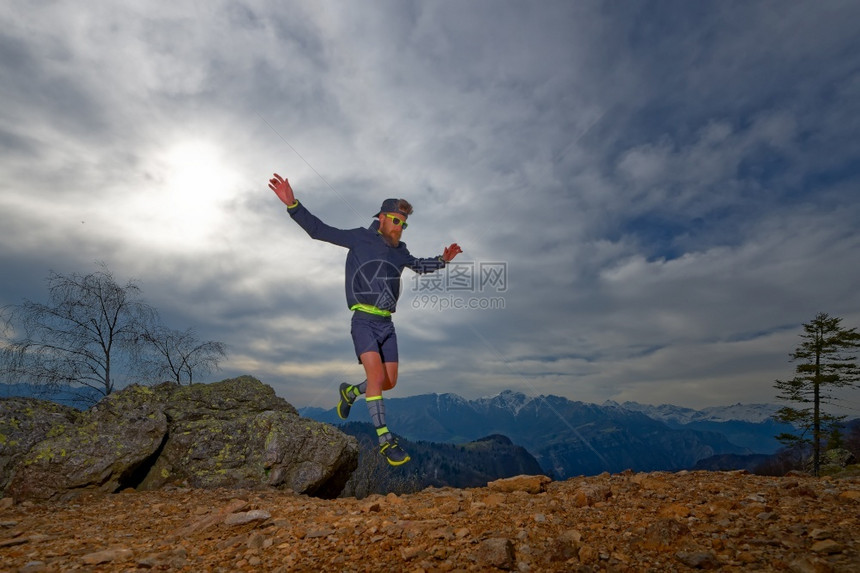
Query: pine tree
[[824, 364]]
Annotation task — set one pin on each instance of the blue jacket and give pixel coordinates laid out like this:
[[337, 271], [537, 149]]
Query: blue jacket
[[373, 267]]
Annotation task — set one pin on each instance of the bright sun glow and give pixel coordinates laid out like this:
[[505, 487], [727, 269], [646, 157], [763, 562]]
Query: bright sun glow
[[195, 184]]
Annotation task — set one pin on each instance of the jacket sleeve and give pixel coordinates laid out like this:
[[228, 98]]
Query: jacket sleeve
[[423, 266], [319, 230]]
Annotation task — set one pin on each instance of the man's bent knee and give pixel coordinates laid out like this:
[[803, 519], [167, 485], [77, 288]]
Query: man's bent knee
[[390, 375]]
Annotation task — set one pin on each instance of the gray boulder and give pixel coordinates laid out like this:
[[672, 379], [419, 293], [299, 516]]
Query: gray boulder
[[234, 433], [101, 449], [835, 460], [238, 433], [23, 423]]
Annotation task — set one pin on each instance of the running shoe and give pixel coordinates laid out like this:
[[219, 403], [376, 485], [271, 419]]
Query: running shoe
[[347, 397], [393, 453]]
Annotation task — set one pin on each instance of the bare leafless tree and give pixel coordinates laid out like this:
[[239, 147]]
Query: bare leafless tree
[[87, 334], [179, 355]]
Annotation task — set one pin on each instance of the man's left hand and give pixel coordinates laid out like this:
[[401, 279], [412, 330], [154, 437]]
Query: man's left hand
[[451, 251]]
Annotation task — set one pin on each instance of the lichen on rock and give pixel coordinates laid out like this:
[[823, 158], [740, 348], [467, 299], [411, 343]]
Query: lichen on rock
[[25, 422]]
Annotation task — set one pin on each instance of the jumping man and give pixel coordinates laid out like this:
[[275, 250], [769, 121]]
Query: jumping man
[[374, 263]]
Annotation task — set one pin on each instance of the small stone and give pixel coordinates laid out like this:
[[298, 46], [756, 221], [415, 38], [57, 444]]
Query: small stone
[[246, 517], [819, 534], [650, 483], [441, 533], [496, 552], [565, 546], [6, 503], [620, 557], [492, 500], [33, 567], [807, 565], [255, 541], [746, 557], [591, 495], [410, 553], [528, 484], [804, 491], [675, 510], [448, 508], [587, 554], [540, 518], [210, 520], [107, 556], [663, 533], [149, 562], [850, 495], [828, 547], [231, 542], [698, 559]]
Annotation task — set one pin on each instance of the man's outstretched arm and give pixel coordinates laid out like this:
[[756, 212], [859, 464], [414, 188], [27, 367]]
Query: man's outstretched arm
[[307, 221], [429, 265]]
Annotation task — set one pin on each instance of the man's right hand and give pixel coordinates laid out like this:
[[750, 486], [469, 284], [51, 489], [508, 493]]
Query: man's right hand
[[282, 189]]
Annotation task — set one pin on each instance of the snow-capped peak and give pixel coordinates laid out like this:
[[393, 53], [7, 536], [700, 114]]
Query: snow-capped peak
[[755, 413], [507, 399]]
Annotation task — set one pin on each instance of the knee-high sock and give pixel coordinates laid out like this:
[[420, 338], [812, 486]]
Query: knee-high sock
[[376, 408]]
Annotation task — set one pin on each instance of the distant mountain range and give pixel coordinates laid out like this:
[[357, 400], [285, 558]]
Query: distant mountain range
[[79, 397], [570, 438]]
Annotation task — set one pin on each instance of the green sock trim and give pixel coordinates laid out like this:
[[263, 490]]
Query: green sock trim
[[372, 398], [382, 431]]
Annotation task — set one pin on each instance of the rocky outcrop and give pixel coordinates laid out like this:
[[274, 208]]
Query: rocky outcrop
[[833, 461], [236, 434]]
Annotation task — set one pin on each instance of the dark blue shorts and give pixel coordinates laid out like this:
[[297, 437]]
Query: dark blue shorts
[[374, 334]]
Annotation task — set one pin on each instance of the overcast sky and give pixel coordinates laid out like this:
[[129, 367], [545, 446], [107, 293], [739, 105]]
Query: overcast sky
[[651, 197]]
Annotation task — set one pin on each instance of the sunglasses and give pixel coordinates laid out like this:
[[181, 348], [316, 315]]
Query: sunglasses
[[397, 220]]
